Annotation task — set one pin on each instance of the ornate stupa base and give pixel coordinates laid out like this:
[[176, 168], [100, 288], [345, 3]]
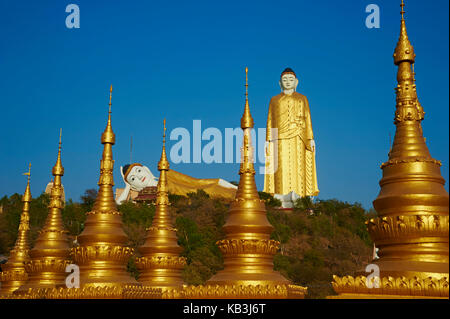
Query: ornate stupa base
[[91, 292], [433, 287], [238, 291]]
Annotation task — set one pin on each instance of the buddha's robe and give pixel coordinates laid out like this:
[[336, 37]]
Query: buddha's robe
[[290, 161]]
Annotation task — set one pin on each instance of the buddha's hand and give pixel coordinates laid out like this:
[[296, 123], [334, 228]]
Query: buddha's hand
[[312, 145]]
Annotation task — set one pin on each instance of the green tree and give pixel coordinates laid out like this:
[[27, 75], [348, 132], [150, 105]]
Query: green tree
[[269, 199], [88, 198]]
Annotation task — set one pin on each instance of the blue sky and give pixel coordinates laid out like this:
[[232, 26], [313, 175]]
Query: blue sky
[[185, 60]]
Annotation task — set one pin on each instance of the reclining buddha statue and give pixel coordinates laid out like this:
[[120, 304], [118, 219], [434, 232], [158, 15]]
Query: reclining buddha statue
[[140, 183]]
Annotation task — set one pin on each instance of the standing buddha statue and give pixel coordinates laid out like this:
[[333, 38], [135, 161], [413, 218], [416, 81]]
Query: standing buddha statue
[[290, 147]]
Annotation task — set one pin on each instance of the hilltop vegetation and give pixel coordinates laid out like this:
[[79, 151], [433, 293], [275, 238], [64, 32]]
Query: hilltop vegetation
[[318, 239]]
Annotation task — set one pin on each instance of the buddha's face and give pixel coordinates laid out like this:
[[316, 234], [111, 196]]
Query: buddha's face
[[140, 177], [288, 82]]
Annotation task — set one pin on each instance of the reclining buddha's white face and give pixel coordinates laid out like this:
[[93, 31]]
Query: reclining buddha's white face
[[140, 177]]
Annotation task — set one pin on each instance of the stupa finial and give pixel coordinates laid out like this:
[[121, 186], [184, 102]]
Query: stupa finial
[[163, 164], [58, 169], [246, 120], [108, 135], [27, 195], [404, 50], [402, 12]]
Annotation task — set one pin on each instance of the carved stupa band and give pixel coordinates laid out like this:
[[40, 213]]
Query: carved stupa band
[[412, 226], [415, 286], [163, 262], [156, 228], [248, 246], [237, 291], [85, 254], [89, 292], [47, 265], [111, 212], [10, 275], [416, 159]]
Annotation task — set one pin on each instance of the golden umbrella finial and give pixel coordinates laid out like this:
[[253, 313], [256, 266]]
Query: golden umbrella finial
[[246, 120], [163, 162], [60, 137], [164, 133], [403, 11], [246, 82], [404, 50], [110, 98], [108, 135], [27, 194], [29, 172]]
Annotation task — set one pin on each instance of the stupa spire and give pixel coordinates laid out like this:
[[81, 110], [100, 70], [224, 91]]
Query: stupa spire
[[102, 253], [14, 274], [160, 264], [50, 254], [404, 50], [246, 120]]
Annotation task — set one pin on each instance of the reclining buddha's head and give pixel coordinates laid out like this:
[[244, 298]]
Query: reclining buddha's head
[[138, 176]]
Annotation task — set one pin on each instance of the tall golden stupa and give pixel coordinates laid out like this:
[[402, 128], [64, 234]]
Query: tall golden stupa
[[14, 274], [50, 254], [411, 230], [102, 254], [247, 248], [160, 265]]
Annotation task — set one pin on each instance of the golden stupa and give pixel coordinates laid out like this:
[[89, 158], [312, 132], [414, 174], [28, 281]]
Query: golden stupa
[[411, 230], [160, 265], [247, 248], [50, 254], [14, 274]]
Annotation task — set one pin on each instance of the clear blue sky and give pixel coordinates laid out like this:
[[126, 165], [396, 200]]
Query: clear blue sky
[[185, 60]]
